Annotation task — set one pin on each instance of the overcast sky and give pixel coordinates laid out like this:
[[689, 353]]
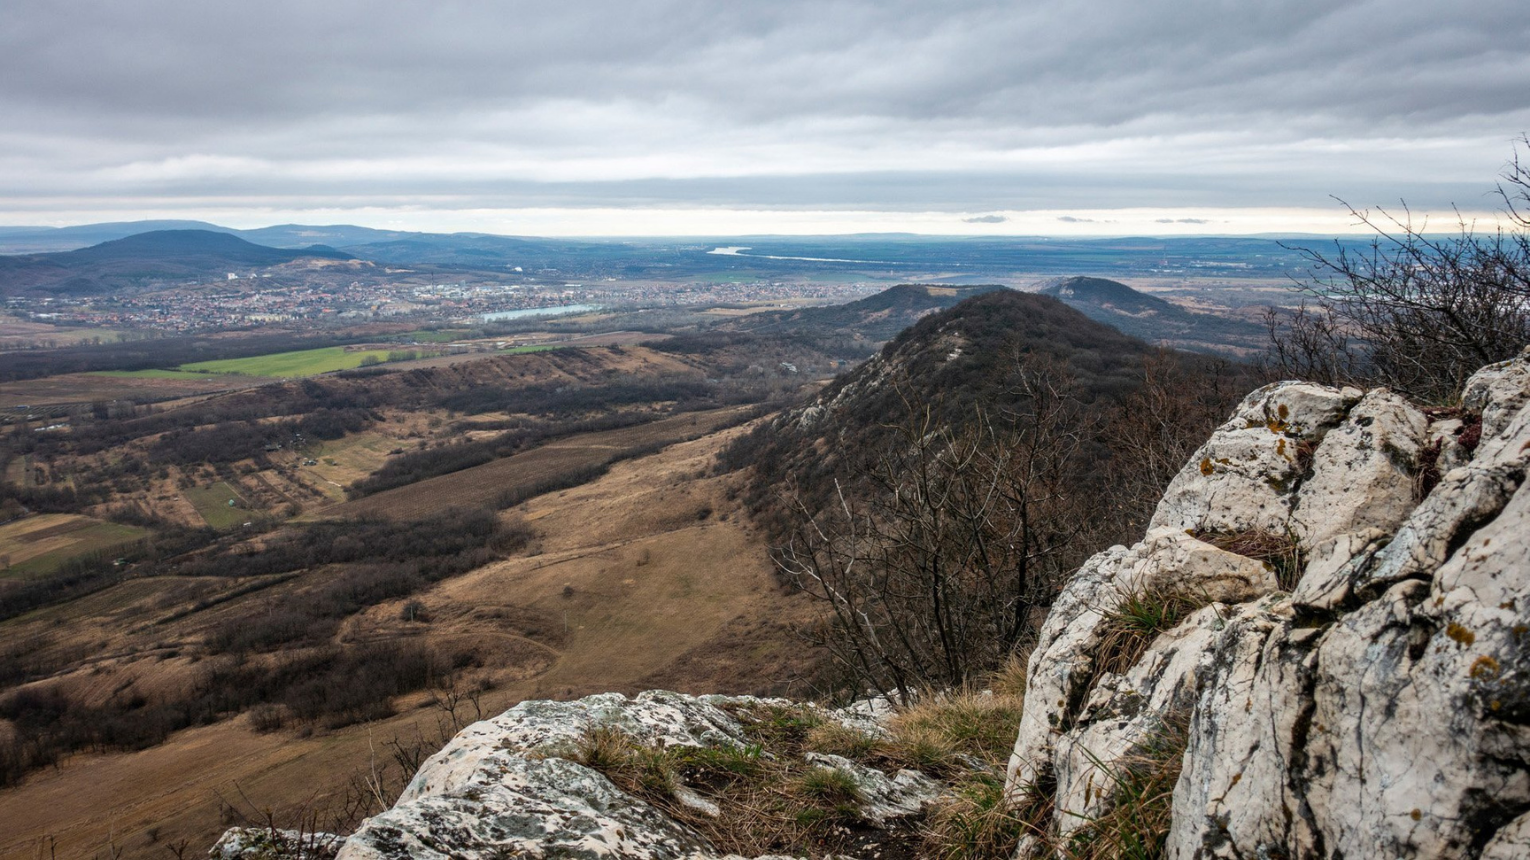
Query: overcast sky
[[632, 117]]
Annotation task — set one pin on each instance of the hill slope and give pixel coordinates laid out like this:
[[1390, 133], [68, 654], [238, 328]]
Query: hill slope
[[952, 363], [877, 317], [1151, 318], [143, 258], [1258, 712]]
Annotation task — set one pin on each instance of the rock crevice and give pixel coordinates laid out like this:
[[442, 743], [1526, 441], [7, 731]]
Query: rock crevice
[[1381, 705]]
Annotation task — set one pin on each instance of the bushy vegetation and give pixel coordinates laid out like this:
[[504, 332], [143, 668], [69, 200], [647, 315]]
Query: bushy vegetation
[[1415, 311], [329, 686], [936, 507], [232, 441], [279, 652], [413, 466]]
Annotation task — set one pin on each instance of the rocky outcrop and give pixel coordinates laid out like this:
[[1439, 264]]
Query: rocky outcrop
[[1368, 695], [509, 786]]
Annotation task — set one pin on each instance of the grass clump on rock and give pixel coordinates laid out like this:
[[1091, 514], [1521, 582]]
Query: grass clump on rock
[[1138, 618], [1136, 825], [1282, 552]]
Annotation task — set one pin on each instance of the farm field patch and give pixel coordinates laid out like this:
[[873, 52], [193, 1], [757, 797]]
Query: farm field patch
[[339, 463], [37, 545], [303, 362], [139, 386], [530, 470], [516, 350], [213, 504]]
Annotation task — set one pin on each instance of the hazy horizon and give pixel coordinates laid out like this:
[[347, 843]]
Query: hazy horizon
[[684, 118]]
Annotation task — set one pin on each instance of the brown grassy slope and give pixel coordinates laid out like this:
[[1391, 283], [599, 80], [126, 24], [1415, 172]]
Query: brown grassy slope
[[480, 485], [651, 585]]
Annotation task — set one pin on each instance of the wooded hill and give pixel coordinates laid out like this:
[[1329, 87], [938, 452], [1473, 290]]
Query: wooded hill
[[134, 260]]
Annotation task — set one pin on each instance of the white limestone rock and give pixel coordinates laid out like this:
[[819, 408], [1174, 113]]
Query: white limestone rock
[[883, 798], [264, 843], [1472, 494], [1383, 709], [1499, 393], [1126, 712], [1418, 738], [550, 727], [513, 806], [1062, 667], [505, 787], [1363, 471], [1243, 477], [1328, 581], [1236, 796]]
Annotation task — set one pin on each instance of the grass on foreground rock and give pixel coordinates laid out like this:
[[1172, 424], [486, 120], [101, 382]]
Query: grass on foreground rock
[[1130, 627], [1137, 824], [768, 798], [1282, 552]]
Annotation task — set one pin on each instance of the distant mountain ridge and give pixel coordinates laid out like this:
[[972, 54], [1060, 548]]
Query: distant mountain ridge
[[144, 258], [1153, 319], [878, 317]]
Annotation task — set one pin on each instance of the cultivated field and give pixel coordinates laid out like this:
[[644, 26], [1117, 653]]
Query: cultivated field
[[220, 505], [36, 545], [648, 576], [303, 362], [525, 472], [140, 386]]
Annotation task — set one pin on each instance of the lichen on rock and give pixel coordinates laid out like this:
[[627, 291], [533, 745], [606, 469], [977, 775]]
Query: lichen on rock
[[1382, 708]]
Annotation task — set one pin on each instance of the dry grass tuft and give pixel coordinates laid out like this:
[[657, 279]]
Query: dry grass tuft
[[967, 736], [765, 803], [1141, 615], [951, 732], [975, 822], [1142, 784], [1282, 552]]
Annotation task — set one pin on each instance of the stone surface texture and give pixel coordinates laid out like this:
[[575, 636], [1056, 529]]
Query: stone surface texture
[[505, 787], [1379, 709]]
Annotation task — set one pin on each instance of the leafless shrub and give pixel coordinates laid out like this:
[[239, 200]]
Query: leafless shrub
[[941, 567], [1414, 311]]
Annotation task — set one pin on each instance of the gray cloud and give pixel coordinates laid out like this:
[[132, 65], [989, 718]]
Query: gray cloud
[[986, 219], [897, 105], [1182, 220]]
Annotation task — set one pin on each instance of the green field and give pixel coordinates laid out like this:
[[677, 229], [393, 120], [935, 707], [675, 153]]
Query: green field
[[213, 504], [150, 374], [533, 348], [304, 362]]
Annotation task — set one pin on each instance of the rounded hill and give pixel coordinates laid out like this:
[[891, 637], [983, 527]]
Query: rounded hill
[[951, 366]]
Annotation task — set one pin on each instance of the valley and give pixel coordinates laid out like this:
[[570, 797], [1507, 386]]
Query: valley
[[625, 585], [255, 575]]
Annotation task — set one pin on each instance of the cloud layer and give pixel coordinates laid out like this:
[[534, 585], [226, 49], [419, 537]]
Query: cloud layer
[[971, 108]]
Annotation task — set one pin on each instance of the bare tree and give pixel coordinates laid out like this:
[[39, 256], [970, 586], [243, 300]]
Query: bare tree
[[1159, 425], [937, 567], [1414, 311]]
